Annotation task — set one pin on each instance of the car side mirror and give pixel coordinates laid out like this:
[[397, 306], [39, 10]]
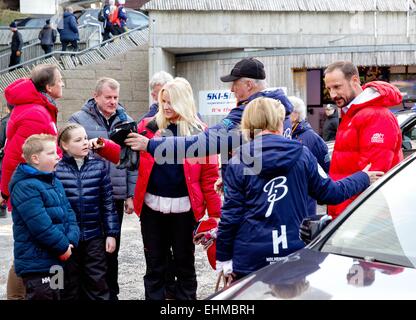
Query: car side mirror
[[407, 145], [312, 226]]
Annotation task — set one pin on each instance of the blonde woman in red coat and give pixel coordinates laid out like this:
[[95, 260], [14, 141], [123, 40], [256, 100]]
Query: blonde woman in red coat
[[172, 194]]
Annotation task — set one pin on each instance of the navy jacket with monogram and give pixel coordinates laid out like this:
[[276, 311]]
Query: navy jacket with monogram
[[266, 196]]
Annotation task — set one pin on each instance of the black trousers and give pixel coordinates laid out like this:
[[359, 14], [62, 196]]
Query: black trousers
[[73, 43], [85, 272], [47, 48], [112, 258], [162, 233], [38, 287], [14, 59]]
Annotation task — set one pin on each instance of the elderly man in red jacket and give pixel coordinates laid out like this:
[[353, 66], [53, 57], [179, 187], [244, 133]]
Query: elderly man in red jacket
[[369, 132]]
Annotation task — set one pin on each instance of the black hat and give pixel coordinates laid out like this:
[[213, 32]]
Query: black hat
[[48, 21], [246, 68], [13, 25]]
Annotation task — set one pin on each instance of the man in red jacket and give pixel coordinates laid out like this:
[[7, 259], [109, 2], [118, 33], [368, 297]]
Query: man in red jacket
[[34, 112], [369, 132]]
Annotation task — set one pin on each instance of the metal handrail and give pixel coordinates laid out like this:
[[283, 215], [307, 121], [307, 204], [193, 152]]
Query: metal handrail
[[72, 53]]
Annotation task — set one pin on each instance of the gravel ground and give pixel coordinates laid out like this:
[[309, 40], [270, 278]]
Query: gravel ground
[[131, 261]]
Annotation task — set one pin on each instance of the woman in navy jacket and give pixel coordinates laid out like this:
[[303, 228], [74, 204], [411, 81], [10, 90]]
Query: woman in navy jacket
[[266, 191], [88, 188]]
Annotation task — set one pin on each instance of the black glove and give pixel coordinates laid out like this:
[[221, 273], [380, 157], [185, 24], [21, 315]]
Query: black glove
[[129, 159], [313, 225]]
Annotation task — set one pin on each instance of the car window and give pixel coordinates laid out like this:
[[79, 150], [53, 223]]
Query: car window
[[409, 138], [136, 19], [383, 226]]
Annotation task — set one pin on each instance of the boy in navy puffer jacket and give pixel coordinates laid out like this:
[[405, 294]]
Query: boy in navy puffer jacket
[[44, 226], [88, 188]]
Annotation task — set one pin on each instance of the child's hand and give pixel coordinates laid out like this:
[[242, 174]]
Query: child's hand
[[67, 254], [110, 244]]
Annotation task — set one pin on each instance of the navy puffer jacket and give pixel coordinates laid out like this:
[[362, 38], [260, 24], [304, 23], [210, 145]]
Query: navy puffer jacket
[[43, 222], [122, 180], [89, 191]]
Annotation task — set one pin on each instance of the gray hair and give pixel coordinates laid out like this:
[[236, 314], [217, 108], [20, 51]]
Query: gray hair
[[259, 83], [298, 107], [160, 78], [69, 9]]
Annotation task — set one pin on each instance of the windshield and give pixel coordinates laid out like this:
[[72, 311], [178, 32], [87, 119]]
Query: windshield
[[383, 227], [402, 117]]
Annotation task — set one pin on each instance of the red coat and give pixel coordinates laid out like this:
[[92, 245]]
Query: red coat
[[368, 133], [33, 113], [200, 178]]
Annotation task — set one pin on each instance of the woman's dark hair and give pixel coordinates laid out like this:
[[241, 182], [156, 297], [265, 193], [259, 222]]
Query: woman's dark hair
[[42, 75]]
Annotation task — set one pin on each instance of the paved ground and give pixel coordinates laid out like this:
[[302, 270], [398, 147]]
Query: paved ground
[[132, 263]]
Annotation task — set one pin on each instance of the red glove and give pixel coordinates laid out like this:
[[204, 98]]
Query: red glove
[[205, 234]]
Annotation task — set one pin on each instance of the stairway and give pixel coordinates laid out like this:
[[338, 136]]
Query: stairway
[[70, 60]]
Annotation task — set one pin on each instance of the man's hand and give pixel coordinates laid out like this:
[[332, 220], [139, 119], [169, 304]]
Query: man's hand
[[128, 206], [373, 175], [137, 141], [67, 254], [18, 53], [110, 244]]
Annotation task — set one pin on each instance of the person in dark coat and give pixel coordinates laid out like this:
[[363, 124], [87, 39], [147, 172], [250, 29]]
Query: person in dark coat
[[266, 187], [16, 45], [87, 185], [47, 37], [69, 34], [303, 132], [331, 123], [44, 226]]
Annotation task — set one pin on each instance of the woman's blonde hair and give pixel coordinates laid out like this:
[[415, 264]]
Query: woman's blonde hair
[[262, 114], [182, 102]]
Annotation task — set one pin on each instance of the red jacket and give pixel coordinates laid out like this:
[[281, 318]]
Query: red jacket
[[200, 178], [368, 133], [33, 113]]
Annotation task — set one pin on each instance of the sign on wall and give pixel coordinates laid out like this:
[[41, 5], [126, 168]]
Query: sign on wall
[[216, 102]]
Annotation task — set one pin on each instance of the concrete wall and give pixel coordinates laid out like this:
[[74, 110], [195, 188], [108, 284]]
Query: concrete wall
[[228, 29], [130, 69]]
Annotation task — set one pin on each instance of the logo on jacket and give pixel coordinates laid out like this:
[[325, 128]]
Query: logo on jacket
[[273, 188], [377, 138]]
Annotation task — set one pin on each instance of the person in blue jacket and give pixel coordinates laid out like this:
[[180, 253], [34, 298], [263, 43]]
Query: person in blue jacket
[[45, 229], [303, 132], [266, 192], [69, 33], [248, 82], [87, 185]]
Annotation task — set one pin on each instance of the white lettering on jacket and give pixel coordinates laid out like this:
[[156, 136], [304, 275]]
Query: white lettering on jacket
[[272, 188], [377, 138]]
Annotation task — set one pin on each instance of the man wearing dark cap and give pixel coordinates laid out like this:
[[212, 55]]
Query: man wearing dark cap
[[248, 77], [16, 45], [47, 37]]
